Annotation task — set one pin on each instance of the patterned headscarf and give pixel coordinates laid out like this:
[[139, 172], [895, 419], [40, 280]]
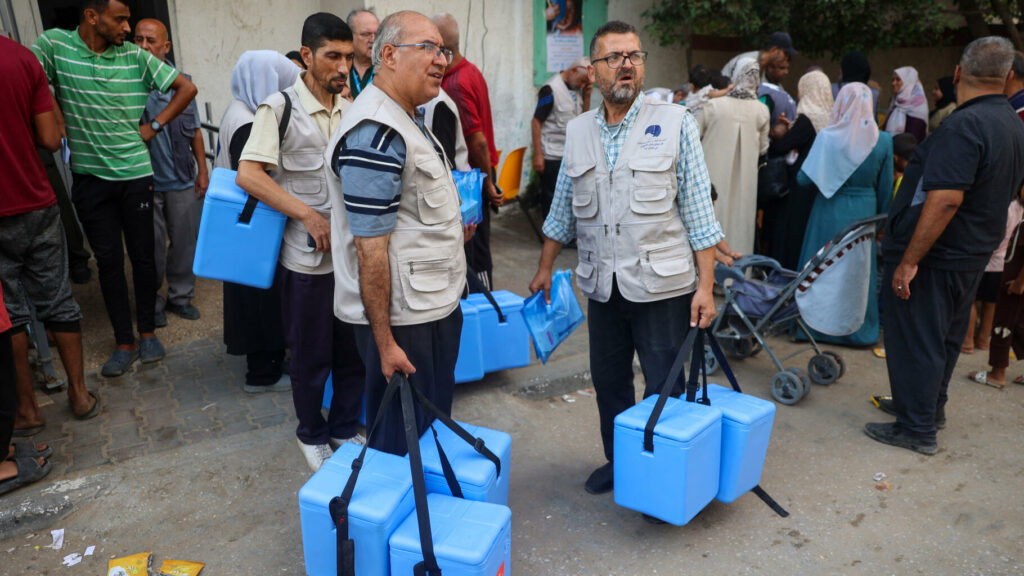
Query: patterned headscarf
[[910, 101], [846, 142], [815, 93], [745, 79]]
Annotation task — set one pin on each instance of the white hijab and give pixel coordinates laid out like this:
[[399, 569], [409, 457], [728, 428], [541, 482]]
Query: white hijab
[[816, 102], [745, 80], [846, 142], [260, 73], [909, 101]]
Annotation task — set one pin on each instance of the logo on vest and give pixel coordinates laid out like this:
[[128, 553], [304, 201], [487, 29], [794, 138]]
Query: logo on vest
[[652, 139]]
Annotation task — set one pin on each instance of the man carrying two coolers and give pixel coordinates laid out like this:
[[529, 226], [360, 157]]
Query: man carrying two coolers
[[634, 191]]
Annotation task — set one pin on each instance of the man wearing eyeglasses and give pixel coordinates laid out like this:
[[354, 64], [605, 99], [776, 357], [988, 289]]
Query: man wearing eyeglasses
[[364, 26], [563, 97], [397, 227], [635, 193], [292, 151]]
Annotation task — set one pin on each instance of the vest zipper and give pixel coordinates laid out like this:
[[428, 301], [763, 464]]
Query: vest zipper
[[617, 229]]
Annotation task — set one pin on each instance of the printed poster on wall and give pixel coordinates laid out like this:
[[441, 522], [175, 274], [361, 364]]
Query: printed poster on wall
[[564, 33]]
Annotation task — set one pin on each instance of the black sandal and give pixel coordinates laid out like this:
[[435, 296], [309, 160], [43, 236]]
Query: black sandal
[[28, 450], [29, 471]]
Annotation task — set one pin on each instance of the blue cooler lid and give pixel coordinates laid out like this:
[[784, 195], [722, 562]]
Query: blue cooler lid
[[382, 485], [468, 308], [463, 531], [740, 408], [222, 187], [509, 302], [470, 467], [680, 420]]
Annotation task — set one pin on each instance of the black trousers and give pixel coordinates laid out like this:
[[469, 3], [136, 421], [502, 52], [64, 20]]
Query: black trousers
[[321, 345], [8, 391], [433, 349], [547, 184], [109, 210], [923, 336], [618, 329], [478, 249]]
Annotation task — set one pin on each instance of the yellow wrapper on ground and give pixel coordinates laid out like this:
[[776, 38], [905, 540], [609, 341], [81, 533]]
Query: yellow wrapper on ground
[[180, 568], [134, 565]]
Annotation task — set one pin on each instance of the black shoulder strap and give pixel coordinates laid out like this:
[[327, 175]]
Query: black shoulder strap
[[282, 126], [666, 389], [475, 286], [419, 486]]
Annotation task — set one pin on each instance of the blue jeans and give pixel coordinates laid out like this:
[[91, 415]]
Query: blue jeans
[[618, 328]]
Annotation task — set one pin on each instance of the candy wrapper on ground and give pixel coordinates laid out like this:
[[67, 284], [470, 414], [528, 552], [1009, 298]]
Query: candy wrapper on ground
[[134, 565]]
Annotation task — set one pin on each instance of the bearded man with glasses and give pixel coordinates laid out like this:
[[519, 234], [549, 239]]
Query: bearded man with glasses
[[634, 192], [397, 227]]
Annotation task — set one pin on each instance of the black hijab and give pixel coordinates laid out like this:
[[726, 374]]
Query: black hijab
[[948, 94], [855, 67]]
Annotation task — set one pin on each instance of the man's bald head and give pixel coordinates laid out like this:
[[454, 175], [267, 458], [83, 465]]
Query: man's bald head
[[151, 35], [449, 28]]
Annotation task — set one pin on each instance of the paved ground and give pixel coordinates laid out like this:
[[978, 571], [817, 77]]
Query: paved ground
[[182, 463]]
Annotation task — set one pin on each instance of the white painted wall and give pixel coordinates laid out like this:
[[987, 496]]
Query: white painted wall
[[666, 66]]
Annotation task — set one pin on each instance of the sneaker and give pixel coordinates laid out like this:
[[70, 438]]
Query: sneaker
[[151, 350], [358, 440], [283, 384], [118, 362], [315, 454], [885, 404], [160, 319], [186, 311], [602, 480], [893, 434]]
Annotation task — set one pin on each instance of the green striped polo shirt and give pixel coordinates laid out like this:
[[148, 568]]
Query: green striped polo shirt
[[102, 97]]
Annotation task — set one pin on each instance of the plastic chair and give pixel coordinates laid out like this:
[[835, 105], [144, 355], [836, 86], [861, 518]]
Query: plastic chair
[[509, 182]]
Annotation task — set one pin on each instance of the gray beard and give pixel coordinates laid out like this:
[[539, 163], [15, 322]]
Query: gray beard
[[621, 94]]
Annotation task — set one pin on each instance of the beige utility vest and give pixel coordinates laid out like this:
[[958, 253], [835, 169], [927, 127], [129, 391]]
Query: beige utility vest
[[627, 219], [302, 172], [425, 254], [566, 107]]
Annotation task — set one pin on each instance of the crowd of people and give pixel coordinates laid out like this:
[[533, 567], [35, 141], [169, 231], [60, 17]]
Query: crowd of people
[[353, 138]]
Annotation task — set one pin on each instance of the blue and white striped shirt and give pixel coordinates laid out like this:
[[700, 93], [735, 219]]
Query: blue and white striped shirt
[[694, 193]]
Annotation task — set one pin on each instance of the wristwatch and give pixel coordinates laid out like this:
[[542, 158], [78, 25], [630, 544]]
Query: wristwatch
[[156, 126]]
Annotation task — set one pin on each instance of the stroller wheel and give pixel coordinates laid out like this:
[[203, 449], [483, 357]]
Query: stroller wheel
[[710, 360], [741, 348], [839, 360], [787, 388], [803, 379], [823, 368]]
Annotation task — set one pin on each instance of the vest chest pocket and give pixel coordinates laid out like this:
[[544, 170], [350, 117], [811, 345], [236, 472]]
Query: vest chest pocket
[[667, 266], [584, 189], [303, 173], [434, 200], [653, 188]]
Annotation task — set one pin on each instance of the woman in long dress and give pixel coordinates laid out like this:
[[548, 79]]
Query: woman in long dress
[[734, 134], [909, 109], [252, 317], [785, 219], [851, 166]]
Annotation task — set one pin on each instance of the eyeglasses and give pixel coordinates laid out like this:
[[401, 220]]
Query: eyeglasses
[[428, 47], [367, 35], [616, 60]]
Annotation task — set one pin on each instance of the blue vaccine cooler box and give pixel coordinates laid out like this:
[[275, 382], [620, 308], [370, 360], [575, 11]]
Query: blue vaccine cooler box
[[476, 474], [680, 477], [382, 499], [470, 538], [746, 430], [329, 395], [469, 367], [230, 249], [505, 344]]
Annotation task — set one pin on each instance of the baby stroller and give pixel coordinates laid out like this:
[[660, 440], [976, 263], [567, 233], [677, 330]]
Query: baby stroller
[[830, 295]]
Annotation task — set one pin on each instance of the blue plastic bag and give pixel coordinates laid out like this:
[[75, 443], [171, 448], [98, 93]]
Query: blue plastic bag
[[549, 325], [471, 186]]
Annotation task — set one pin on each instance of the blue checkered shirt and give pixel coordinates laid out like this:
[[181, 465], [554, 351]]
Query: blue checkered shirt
[[693, 197]]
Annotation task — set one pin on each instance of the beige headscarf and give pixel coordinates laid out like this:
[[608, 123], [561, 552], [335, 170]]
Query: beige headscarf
[[815, 93], [745, 79]]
